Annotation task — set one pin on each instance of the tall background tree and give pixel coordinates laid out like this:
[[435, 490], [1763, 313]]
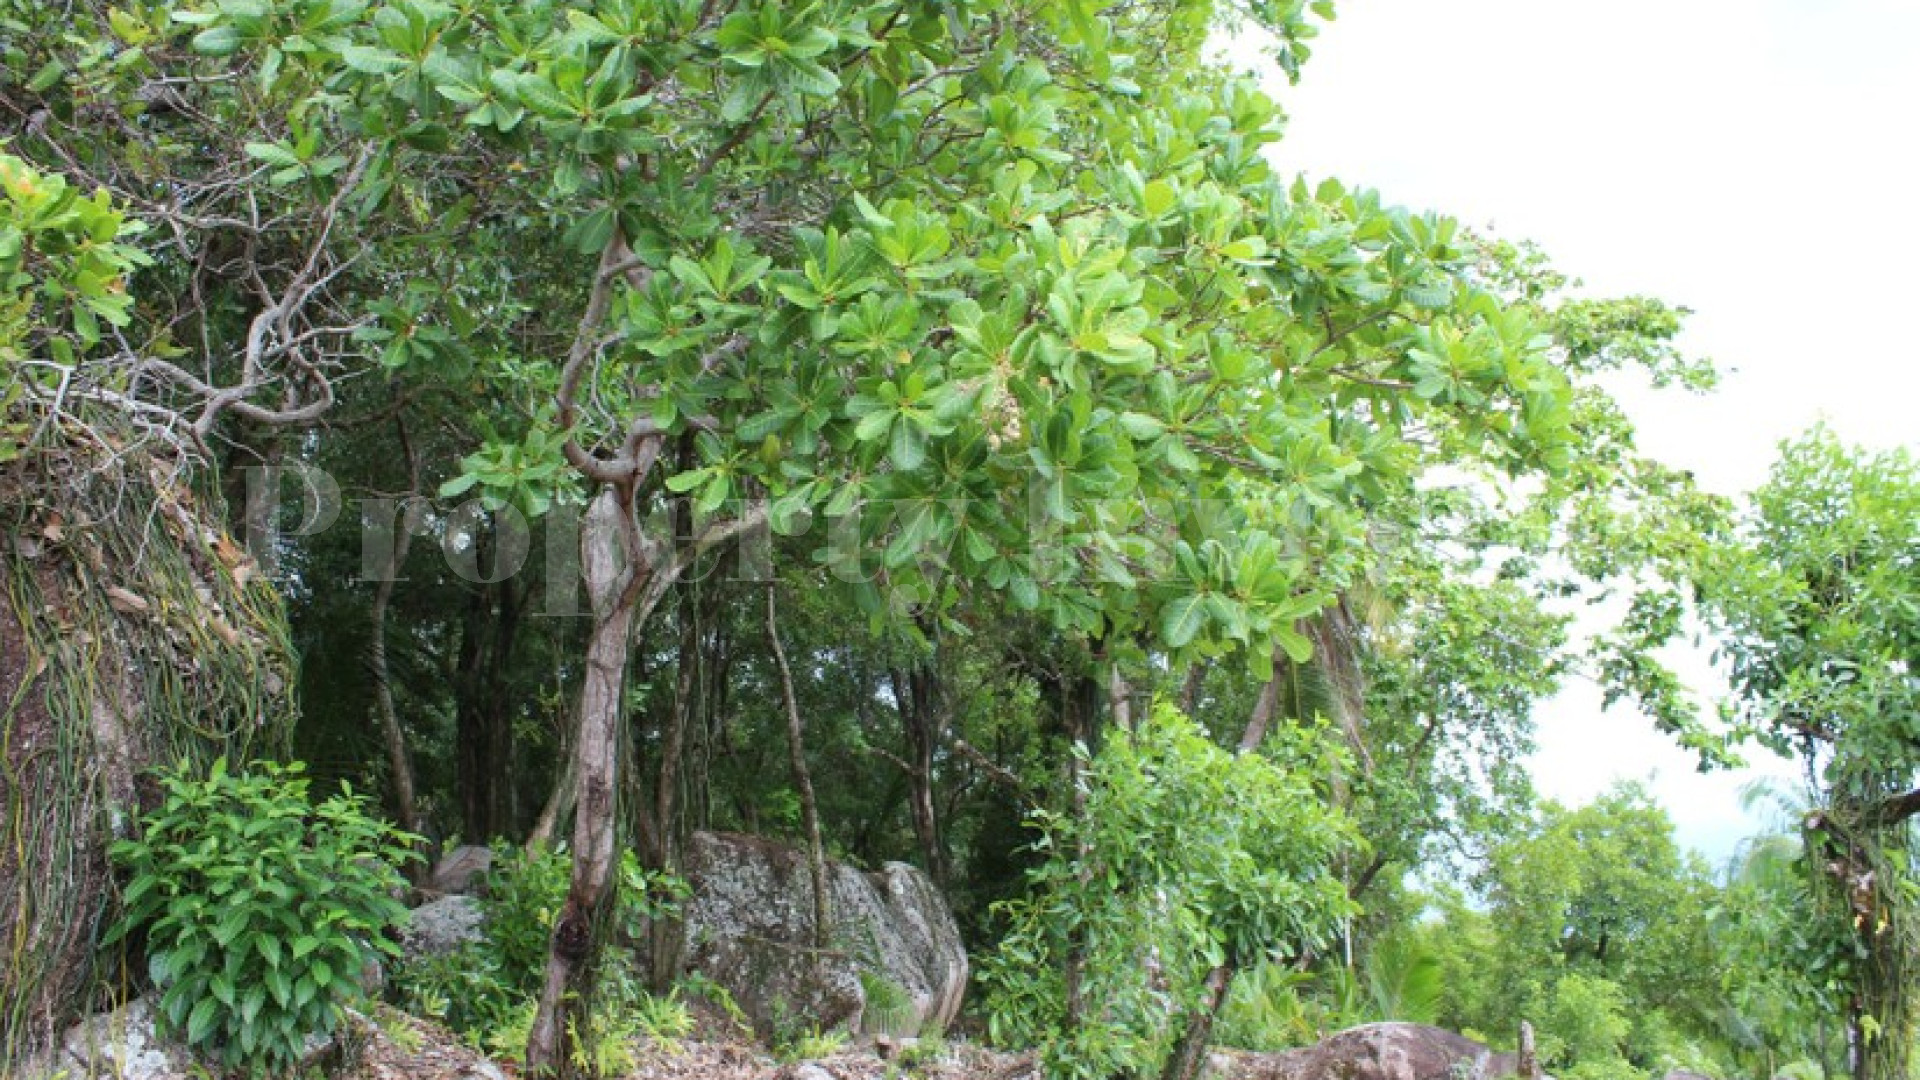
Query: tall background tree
[[1816, 597]]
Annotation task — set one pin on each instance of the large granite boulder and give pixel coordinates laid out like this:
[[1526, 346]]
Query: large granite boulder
[[749, 924], [1392, 1051]]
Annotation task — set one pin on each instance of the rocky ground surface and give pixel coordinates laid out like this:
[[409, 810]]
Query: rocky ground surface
[[402, 1048], [387, 1044], [406, 1049]]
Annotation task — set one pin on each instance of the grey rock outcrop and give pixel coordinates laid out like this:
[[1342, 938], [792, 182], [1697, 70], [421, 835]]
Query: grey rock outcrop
[[749, 924], [441, 927], [462, 870], [1392, 1051], [126, 1044]]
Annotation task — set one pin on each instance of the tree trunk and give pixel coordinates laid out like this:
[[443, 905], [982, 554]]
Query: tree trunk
[[483, 721], [797, 759], [1264, 707], [613, 585], [1081, 712], [1190, 689], [923, 721], [1190, 1053], [664, 933], [1529, 1060], [1119, 697], [1843, 844], [405, 807], [503, 809]]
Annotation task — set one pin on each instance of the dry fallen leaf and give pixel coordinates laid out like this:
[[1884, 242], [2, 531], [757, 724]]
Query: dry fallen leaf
[[127, 602]]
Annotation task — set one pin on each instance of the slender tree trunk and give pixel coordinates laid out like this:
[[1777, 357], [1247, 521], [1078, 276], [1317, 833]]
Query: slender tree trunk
[[1190, 1053], [673, 738], [664, 933], [1264, 707], [1119, 697], [923, 720], [405, 807], [559, 804], [613, 584], [797, 759], [503, 805], [468, 743], [483, 709], [1190, 688]]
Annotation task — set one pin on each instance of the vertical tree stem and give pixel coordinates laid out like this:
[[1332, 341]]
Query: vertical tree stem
[[797, 758]]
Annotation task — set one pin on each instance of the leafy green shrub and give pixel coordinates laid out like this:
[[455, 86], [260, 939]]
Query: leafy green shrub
[[1186, 856], [663, 1018], [605, 1046], [1612, 1068], [930, 1048], [1265, 1011], [808, 1044], [466, 990], [698, 984], [507, 1039], [260, 909]]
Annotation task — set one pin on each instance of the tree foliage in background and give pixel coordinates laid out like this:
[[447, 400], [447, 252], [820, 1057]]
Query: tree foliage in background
[[1592, 924]]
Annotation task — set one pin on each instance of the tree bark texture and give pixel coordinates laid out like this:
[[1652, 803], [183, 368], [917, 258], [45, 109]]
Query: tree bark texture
[[612, 580], [1190, 1053]]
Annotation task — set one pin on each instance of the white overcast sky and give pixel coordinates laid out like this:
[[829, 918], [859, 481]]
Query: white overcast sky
[[1757, 161]]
